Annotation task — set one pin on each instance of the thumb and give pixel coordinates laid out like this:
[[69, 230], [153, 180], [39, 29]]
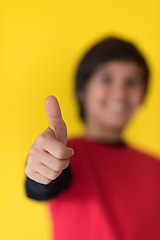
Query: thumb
[[57, 125]]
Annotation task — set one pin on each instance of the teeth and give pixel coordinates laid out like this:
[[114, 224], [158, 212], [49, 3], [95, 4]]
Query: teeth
[[115, 107]]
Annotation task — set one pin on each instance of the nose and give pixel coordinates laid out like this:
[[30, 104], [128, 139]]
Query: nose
[[118, 92]]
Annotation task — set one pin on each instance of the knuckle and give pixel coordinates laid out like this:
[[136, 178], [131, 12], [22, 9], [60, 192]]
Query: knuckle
[[32, 151], [58, 168], [66, 163], [46, 181], [51, 176], [61, 152], [40, 139], [54, 174], [30, 162], [27, 171], [62, 165]]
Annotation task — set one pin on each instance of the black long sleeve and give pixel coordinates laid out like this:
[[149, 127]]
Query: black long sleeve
[[42, 192]]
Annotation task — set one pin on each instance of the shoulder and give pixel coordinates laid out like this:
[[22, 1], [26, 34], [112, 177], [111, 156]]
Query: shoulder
[[143, 153], [144, 158]]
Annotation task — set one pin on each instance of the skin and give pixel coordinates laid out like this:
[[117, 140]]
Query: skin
[[48, 155], [112, 95]]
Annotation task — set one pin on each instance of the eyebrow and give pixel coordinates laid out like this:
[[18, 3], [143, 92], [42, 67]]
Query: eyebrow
[[133, 73]]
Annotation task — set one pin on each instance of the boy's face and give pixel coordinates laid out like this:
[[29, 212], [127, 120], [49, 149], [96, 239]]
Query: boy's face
[[113, 93]]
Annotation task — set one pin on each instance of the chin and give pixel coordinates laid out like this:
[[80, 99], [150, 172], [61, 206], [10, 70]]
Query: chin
[[115, 123]]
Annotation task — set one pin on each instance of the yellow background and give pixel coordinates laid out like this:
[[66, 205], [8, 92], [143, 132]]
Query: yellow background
[[40, 44]]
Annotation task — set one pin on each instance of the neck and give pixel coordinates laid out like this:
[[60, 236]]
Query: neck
[[106, 134]]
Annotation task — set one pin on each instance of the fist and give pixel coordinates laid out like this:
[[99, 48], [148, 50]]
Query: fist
[[48, 155]]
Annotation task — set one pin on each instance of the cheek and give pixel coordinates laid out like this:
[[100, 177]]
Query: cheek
[[96, 92], [136, 98], [93, 97]]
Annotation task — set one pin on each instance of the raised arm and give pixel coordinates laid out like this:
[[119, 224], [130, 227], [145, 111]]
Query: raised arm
[[47, 168]]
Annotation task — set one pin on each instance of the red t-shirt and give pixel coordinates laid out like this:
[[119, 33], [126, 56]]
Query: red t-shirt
[[114, 195]]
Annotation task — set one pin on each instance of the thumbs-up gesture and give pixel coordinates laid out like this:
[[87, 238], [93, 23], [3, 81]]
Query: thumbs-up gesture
[[48, 156]]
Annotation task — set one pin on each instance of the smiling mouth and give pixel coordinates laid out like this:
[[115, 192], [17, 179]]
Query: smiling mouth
[[115, 107]]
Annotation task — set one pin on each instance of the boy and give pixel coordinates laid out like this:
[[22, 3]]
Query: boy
[[107, 190]]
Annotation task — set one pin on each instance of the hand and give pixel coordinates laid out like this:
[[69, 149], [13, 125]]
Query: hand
[[48, 156]]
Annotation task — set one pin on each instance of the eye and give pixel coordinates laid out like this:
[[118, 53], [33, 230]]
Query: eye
[[106, 79], [132, 82]]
